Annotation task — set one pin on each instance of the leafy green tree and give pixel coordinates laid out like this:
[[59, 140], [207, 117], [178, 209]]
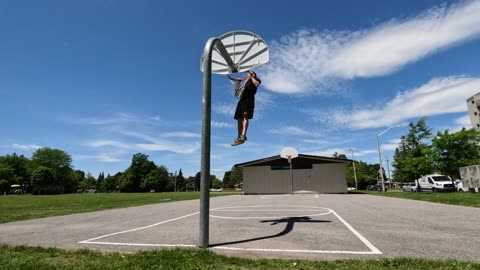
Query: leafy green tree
[[7, 177], [196, 182], [157, 179], [61, 164], [88, 182], [99, 183], [3, 186], [216, 183], [52, 158], [111, 183], [180, 180], [78, 177], [227, 183], [139, 168], [366, 174], [19, 164], [190, 183], [339, 156], [236, 176], [414, 157], [455, 150], [43, 175]]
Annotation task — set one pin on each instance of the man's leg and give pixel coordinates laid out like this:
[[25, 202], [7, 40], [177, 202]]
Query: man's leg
[[245, 124], [239, 127]]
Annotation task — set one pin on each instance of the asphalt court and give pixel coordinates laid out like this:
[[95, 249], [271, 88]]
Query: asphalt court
[[259, 228], [313, 226]]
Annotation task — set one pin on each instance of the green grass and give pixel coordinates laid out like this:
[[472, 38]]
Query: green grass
[[36, 258], [455, 198], [23, 207]]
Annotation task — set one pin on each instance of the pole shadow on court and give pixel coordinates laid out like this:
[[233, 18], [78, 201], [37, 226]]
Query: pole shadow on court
[[290, 222]]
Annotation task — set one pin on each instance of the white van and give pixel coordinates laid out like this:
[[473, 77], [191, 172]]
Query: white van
[[436, 182]]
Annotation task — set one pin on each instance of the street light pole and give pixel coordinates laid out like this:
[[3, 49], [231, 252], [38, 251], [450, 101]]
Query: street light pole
[[380, 155], [354, 171], [388, 172], [380, 160]]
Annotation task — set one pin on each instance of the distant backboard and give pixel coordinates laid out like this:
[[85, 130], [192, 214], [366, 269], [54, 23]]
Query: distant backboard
[[289, 153], [246, 49]]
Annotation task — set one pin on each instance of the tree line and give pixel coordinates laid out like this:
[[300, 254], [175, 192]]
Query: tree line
[[50, 171], [420, 153]]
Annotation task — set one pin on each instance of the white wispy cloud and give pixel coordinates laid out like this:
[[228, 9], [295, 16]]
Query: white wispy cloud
[[118, 118], [224, 109], [149, 142], [112, 143], [25, 147], [314, 60], [179, 148], [459, 123], [328, 152], [365, 152], [321, 142], [291, 130], [438, 96], [221, 125], [182, 134], [391, 146], [101, 157]]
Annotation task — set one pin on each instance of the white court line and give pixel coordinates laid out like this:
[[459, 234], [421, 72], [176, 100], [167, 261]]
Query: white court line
[[265, 210], [140, 245], [373, 249], [136, 229], [357, 234], [300, 250], [141, 228]]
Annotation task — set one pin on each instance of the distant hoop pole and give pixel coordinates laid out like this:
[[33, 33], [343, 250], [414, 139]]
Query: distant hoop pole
[[289, 157], [206, 131]]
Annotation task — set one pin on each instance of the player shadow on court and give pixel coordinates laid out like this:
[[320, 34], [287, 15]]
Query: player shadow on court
[[290, 221]]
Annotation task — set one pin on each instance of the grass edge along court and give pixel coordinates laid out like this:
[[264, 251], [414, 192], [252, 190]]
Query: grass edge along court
[[24, 207], [23, 257], [453, 198]]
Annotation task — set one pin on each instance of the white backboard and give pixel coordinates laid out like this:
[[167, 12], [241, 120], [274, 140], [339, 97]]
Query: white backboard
[[246, 49], [289, 153]]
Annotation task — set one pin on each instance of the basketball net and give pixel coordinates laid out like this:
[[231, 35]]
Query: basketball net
[[289, 158]]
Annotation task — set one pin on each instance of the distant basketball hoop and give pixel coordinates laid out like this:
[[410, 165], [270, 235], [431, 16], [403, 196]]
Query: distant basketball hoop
[[289, 153]]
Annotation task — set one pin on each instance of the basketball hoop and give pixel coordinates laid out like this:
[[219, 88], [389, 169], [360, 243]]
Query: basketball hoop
[[289, 153]]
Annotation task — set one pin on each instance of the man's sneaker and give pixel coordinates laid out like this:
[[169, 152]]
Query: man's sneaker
[[239, 140]]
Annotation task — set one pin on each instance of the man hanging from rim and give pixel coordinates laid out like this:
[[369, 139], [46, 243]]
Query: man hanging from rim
[[246, 105]]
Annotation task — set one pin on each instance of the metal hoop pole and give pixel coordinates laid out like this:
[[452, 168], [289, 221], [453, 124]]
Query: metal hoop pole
[[206, 131]]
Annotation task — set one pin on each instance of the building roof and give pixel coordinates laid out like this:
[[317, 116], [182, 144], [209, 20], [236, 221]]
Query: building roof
[[298, 161]]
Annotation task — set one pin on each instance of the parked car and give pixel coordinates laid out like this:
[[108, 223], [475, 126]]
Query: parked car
[[376, 187], [410, 187]]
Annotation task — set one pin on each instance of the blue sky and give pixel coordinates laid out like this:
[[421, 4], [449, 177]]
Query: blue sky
[[103, 80]]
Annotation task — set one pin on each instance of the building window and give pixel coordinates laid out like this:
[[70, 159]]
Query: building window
[[278, 167], [294, 167]]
